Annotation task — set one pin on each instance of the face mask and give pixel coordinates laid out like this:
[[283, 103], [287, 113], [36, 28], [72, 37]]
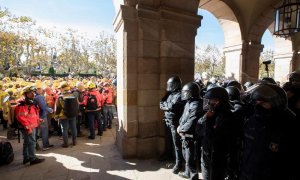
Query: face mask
[[261, 111]]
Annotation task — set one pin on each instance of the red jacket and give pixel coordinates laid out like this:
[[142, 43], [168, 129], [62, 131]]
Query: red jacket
[[27, 115], [108, 96], [95, 92]]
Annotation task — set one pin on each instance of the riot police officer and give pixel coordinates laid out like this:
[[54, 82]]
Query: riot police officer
[[172, 105], [269, 137], [292, 89], [217, 127], [239, 112], [186, 129]]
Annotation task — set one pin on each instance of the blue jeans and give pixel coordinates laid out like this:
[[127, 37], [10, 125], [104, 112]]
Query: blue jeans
[[29, 144], [92, 116], [44, 132], [108, 116], [65, 124]]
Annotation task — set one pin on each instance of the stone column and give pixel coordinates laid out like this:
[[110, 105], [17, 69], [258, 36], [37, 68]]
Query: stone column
[[154, 42], [250, 61], [283, 65], [295, 63], [177, 50], [232, 62], [126, 27]]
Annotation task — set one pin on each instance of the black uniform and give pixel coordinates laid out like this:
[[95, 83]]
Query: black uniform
[[270, 137], [192, 112], [238, 120], [173, 106], [269, 148], [215, 143], [217, 131]]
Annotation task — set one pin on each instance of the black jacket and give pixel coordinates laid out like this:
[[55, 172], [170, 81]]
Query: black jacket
[[217, 130], [269, 148], [172, 105], [193, 110]]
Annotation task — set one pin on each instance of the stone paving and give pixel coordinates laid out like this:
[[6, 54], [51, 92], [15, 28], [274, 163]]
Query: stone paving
[[88, 160]]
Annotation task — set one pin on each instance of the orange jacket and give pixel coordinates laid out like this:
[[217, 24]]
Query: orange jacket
[[108, 96], [27, 115]]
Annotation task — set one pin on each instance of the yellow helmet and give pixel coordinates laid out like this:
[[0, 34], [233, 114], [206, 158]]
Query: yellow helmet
[[104, 80], [64, 86], [91, 85], [6, 79], [27, 89], [39, 85]]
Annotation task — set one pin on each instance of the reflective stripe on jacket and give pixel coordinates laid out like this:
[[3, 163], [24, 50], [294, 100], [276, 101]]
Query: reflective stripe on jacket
[[27, 115]]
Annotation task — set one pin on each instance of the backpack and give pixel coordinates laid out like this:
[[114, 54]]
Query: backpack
[[70, 106], [92, 103], [6, 153]]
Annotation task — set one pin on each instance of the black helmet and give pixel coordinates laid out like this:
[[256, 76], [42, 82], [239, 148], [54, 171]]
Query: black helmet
[[174, 84], [190, 90], [271, 93], [209, 86], [248, 84], [294, 76], [217, 93], [235, 84], [233, 92], [288, 86], [200, 83], [267, 80]]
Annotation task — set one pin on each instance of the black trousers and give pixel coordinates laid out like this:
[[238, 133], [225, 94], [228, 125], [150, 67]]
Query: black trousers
[[2, 120], [177, 145], [213, 165], [188, 151], [169, 150]]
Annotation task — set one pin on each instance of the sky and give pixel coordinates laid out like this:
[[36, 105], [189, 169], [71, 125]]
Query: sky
[[94, 16]]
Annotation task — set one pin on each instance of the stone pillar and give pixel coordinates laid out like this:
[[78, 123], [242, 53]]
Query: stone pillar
[[295, 64], [126, 27], [232, 62], [154, 42], [283, 65], [250, 61]]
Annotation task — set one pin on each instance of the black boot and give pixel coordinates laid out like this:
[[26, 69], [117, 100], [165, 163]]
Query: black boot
[[184, 174], [36, 161], [176, 168]]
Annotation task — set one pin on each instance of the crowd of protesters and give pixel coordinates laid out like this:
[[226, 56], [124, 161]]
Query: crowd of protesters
[[43, 106]]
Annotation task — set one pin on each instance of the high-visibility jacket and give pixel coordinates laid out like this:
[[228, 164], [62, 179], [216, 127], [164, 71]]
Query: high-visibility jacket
[[8, 110], [27, 115], [3, 94], [51, 99]]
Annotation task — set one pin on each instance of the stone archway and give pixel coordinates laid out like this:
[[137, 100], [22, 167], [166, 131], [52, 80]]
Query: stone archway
[[283, 53], [232, 35]]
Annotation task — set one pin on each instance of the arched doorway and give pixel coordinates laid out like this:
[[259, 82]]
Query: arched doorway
[[232, 35]]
